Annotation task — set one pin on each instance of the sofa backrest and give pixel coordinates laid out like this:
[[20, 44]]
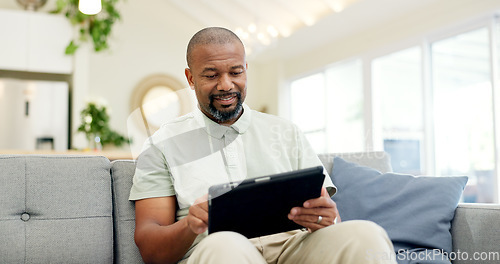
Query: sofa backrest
[[378, 160], [55, 209], [126, 252]]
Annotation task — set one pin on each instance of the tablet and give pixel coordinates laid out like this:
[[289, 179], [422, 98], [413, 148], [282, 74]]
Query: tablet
[[260, 206]]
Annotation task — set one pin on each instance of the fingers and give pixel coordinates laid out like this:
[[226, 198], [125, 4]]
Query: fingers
[[323, 201], [338, 219], [202, 202], [328, 215], [197, 217], [311, 226], [308, 215], [326, 219]]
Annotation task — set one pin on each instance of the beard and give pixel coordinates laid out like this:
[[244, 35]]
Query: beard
[[224, 116]]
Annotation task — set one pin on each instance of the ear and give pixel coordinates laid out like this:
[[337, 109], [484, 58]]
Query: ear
[[189, 77]]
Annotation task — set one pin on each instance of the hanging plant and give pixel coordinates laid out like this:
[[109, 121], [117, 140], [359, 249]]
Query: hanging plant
[[95, 27]]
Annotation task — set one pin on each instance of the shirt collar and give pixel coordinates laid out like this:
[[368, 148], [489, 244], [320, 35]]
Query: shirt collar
[[215, 130]]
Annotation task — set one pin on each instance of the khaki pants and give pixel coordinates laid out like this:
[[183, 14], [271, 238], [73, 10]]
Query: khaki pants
[[349, 242]]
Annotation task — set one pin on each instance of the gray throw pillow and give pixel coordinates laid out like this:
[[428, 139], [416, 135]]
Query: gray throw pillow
[[415, 211]]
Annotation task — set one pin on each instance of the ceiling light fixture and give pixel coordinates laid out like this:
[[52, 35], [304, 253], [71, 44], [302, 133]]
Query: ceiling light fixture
[[90, 7]]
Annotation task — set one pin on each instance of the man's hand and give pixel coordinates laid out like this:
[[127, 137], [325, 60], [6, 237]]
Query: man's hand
[[197, 218], [309, 215]]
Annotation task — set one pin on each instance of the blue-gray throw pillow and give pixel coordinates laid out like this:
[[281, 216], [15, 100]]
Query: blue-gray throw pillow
[[415, 211]]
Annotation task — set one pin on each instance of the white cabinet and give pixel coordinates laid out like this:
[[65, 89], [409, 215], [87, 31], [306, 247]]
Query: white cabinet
[[34, 42], [47, 40], [13, 40]]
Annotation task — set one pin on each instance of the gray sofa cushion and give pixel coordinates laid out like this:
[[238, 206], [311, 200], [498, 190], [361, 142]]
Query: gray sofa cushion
[[55, 209], [126, 252]]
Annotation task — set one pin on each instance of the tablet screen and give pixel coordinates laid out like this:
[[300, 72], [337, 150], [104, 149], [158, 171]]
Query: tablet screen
[[260, 206]]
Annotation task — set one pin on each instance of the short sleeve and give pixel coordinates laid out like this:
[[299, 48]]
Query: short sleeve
[[308, 158], [152, 176]]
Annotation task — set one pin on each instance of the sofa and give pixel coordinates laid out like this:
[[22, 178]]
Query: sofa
[[75, 209]]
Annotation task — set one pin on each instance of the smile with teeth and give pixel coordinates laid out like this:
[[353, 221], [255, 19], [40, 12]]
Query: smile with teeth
[[225, 98]]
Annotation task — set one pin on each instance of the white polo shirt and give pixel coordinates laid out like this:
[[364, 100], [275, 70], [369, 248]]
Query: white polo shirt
[[189, 154]]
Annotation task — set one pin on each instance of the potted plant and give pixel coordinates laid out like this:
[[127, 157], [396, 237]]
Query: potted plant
[[96, 27], [95, 124]]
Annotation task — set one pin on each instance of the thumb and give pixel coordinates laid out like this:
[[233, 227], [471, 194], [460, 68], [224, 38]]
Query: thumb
[[324, 192]]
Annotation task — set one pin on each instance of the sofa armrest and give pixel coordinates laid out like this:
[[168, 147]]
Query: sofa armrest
[[476, 233]]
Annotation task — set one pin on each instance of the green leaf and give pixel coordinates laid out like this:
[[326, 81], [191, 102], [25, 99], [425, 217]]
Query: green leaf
[[60, 5], [71, 48]]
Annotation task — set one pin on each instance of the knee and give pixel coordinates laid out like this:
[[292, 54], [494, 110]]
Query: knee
[[364, 227], [358, 231], [224, 241], [367, 234], [349, 242], [225, 247]]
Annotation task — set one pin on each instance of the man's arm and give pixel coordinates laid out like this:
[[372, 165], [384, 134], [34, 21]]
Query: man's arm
[[159, 238]]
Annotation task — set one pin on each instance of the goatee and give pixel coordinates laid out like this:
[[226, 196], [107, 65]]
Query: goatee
[[224, 116]]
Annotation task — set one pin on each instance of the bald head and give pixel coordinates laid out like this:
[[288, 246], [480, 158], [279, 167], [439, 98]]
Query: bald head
[[211, 35]]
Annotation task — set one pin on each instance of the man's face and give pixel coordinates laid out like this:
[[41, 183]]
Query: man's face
[[218, 77]]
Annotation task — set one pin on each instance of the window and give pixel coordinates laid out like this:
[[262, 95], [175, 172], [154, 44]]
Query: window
[[463, 111], [397, 85], [345, 125], [328, 107], [309, 109], [434, 108]]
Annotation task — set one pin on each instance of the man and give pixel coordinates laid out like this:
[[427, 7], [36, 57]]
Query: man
[[224, 140]]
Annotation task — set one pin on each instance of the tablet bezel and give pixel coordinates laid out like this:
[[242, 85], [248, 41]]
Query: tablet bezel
[[260, 206]]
